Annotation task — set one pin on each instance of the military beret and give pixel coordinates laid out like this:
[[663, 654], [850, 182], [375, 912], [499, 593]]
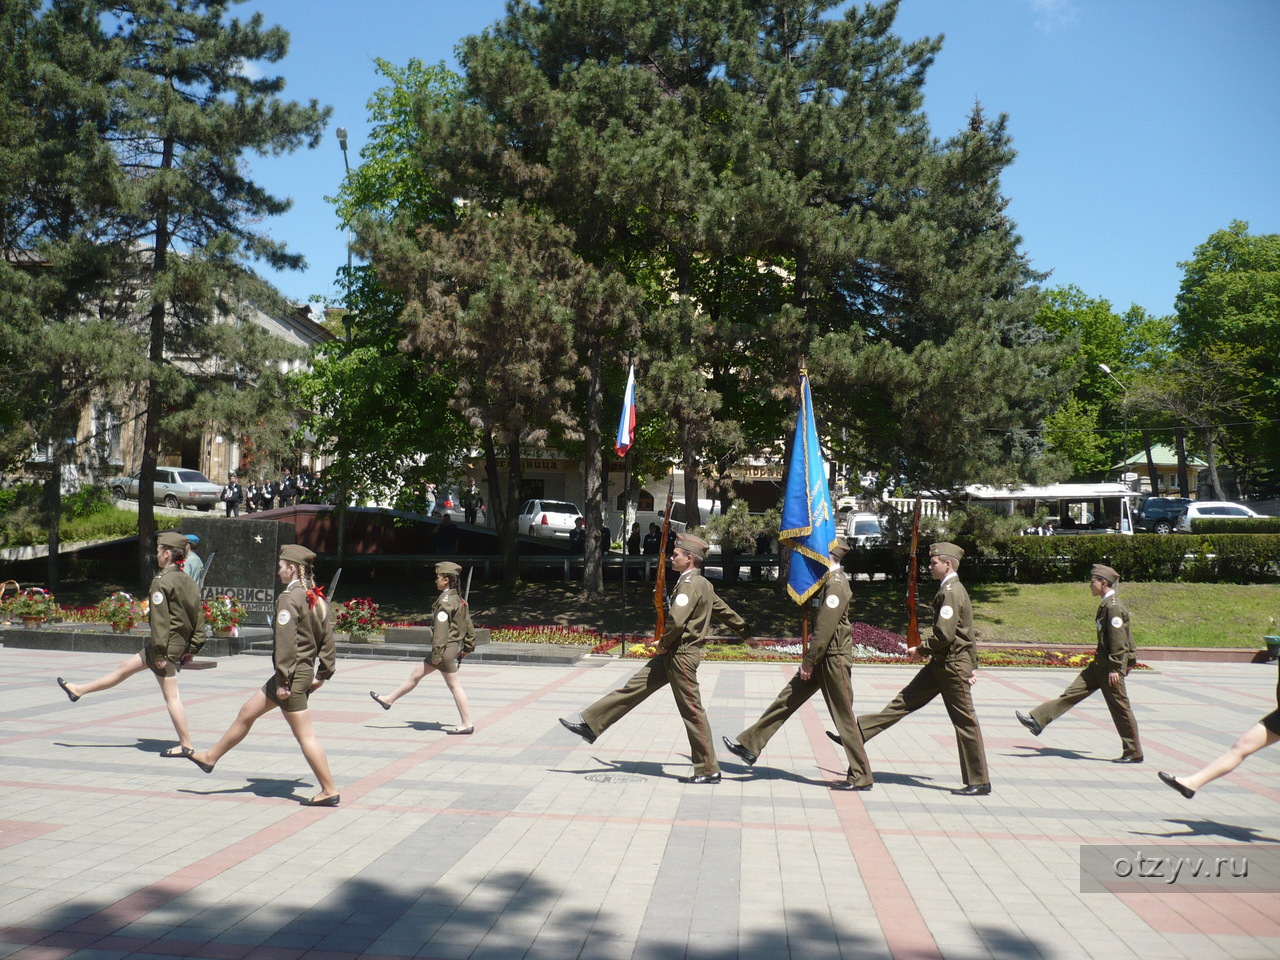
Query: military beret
[[193, 538], [945, 549], [448, 568], [296, 553], [172, 539], [693, 545], [840, 547], [1105, 572]]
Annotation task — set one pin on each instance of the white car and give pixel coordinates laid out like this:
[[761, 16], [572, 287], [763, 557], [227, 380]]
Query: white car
[[548, 518], [864, 529], [175, 487], [1214, 508]]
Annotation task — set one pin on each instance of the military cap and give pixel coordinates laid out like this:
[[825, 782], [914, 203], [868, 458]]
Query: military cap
[[192, 537], [172, 539], [693, 545], [296, 553], [944, 549], [448, 568], [1106, 573], [840, 547]]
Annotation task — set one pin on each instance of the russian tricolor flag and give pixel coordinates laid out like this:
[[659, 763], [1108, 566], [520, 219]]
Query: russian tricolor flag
[[627, 425]]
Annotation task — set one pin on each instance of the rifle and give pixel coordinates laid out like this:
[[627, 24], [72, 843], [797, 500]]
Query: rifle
[[913, 576], [205, 572], [660, 581]]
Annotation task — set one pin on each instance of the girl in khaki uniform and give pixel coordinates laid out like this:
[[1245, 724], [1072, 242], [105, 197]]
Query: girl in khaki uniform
[[452, 637], [174, 613], [303, 634]]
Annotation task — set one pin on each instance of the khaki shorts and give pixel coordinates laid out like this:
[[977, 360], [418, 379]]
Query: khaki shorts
[[445, 659], [297, 695]]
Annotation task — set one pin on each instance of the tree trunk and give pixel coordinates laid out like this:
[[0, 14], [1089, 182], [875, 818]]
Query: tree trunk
[[1180, 443], [51, 508], [509, 532], [1152, 473], [1211, 461], [593, 464]]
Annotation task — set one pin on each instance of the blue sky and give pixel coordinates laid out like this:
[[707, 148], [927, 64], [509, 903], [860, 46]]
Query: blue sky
[[1141, 125]]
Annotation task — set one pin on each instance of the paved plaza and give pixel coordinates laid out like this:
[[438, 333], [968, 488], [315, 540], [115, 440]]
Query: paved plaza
[[522, 841]]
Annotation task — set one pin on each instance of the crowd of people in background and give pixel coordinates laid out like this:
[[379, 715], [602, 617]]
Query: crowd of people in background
[[263, 494]]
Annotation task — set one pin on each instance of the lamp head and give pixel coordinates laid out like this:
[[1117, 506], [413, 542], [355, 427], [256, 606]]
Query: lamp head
[[342, 138]]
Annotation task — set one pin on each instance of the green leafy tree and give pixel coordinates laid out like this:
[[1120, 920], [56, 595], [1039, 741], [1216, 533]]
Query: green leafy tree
[[1228, 316]]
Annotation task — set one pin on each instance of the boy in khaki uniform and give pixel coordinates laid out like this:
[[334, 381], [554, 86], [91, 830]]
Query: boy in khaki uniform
[[827, 666], [693, 604], [1112, 661]]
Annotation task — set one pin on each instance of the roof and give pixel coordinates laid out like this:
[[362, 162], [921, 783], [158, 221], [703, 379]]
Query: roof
[[1162, 454], [1053, 491]]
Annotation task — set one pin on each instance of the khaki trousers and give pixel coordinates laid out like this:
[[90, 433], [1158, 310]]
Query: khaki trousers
[[1091, 678], [938, 678], [679, 668], [834, 679]]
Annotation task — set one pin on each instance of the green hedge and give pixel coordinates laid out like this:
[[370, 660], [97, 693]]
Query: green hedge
[[1235, 525], [1194, 558]]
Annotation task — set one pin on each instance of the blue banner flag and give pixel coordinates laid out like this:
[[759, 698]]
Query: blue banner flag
[[808, 522]]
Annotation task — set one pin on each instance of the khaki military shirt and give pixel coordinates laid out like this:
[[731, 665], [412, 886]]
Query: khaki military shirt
[[451, 622], [832, 631], [952, 638], [174, 613], [1115, 642], [299, 634], [693, 604]]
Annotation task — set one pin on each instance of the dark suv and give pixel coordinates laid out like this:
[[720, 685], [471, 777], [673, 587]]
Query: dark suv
[[1160, 514]]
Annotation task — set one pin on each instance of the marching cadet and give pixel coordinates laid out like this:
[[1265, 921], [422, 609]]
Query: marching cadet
[[174, 613], [693, 604], [302, 631], [453, 636], [1112, 661], [827, 666], [953, 658]]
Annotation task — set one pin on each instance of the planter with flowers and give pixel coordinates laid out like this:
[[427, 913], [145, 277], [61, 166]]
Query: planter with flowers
[[358, 619], [121, 611], [223, 614], [33, 606]]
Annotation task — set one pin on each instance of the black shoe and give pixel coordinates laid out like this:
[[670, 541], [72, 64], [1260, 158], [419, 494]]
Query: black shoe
[[849, 785], [973, 790], [581, 729], [67, 690], [835, 738], [1170, 780], [700, 778], [379, 701], [739, 750], [1127, 760], [1030, 723], [330, 801]]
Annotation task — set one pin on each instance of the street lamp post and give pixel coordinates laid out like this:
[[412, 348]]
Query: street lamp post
[[1124, 436], [346, 327]]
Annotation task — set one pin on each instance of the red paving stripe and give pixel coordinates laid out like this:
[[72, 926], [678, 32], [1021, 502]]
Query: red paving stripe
[[901, 922], [1216, 914], [19, 831]]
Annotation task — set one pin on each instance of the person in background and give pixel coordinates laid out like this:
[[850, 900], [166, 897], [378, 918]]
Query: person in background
[[174, 614], [578, 536], [287, 489], [252, 497], [266, 492], [633, 541], [232, 495], [193, 565], [447, 535], [431, 498], [652, 541]]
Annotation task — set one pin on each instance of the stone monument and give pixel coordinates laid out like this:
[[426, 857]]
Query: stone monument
[[244, 554]]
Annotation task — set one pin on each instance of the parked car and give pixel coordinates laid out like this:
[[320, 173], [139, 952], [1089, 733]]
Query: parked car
[[1161, 514], [548, 518], [864, 529], [449, 503], [175, 487], [1213, 508]]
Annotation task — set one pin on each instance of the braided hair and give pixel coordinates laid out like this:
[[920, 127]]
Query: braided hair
[[315, 595]]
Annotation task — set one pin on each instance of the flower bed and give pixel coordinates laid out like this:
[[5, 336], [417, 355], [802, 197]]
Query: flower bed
[[553, 633]]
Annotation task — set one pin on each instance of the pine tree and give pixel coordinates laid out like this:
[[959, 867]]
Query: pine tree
[[187, 113]]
